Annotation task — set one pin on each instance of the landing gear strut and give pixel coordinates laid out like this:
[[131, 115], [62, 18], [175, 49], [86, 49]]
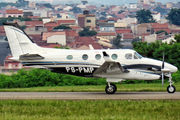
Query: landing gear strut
[[110, 88], [171, 88]]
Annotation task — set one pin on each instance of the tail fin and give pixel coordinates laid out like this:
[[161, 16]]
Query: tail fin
[[19, 41]]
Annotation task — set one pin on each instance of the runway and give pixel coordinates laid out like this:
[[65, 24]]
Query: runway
[[89, 96]]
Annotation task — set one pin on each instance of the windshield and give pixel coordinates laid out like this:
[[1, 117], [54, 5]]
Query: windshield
[[138, 55]]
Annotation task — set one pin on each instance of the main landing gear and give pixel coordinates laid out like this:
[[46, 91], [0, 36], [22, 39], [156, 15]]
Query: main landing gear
[[171, 88], [110, 88]]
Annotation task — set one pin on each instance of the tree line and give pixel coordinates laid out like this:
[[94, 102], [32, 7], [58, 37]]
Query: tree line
[[145, 16]]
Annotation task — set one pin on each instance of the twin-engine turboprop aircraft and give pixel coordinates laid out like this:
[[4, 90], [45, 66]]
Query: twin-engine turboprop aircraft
[[115, 65]]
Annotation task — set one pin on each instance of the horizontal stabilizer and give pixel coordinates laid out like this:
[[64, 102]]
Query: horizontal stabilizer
[[31, 57]]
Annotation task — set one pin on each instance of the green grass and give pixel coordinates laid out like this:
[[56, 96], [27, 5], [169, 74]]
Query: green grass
[[96, 88], [88, 110]]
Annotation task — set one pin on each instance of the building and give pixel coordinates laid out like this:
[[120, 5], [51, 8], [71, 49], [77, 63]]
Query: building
[[169, 5], [157, 27], [142, 1], [157, 16], [14, 13], [86, 19], [106, 27], [10, 64], [127, 20], [55, 37], [132, 5], [32, 4]]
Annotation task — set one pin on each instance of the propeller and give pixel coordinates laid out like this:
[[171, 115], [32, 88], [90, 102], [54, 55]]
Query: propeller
[[163, 68]]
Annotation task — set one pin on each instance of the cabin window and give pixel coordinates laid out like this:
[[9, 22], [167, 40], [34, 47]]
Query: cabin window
[[69, 57], [114, 56], [128, 56], [98, 56], [85, 57]]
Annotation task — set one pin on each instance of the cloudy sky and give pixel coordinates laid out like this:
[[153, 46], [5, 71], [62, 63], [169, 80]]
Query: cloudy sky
[[100, 2]]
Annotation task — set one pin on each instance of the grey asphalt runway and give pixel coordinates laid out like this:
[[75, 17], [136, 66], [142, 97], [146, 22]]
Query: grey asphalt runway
[[90, 95]]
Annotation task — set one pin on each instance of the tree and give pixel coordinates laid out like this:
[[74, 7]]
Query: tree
[[76, 10], [161, 31], [155, 50], [161, 10], [177, 38], [117, 42], [48, 5], [174, 16], [87, 32], [62, 27], [146, 49], [137, 39], [144, 16]]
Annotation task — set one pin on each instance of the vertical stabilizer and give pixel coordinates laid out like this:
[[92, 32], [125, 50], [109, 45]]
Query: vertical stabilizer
[[19, 41]]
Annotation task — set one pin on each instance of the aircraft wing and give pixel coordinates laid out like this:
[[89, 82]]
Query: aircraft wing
[[110, 67]]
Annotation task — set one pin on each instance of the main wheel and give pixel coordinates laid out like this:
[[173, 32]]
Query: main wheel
[[111, 90], [171, 89]]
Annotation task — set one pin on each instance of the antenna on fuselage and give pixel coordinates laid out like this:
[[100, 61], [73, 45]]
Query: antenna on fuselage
[[91, 47]]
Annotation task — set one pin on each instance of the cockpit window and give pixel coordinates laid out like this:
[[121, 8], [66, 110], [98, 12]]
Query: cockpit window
[[138, 55], [135, 57], [128, 56]]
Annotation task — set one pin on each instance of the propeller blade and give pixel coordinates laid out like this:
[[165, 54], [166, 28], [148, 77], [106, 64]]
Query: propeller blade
[[163, 60], [162, 79]]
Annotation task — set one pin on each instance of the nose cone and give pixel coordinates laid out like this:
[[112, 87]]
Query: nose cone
[[172, 68]]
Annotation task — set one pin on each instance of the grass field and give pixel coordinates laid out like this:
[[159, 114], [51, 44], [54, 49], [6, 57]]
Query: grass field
[[87, 110], [96, 88]]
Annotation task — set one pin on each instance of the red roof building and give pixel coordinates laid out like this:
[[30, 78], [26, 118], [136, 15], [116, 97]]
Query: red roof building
[[10, 64], [14, 13], [33, 23], [81, 41], [2, 31], [159, 26], [71, 22], [51, 25], [120, 31], [128, 36]]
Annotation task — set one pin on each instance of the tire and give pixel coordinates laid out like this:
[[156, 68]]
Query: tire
[[111, 90], [171, 89]]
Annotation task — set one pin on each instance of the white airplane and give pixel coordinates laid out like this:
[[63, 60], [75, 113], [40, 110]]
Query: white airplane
[[115, 65]]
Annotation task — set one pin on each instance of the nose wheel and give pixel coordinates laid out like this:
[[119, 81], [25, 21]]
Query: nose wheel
[[171, 88], [110, 88]]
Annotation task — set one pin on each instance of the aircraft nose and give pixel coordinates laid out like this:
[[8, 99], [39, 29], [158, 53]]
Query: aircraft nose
[[174, 69]]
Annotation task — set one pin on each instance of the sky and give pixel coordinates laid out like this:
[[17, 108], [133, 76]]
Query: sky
[[96, 2]]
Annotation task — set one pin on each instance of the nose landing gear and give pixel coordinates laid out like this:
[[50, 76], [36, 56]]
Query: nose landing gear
[[171, 88]]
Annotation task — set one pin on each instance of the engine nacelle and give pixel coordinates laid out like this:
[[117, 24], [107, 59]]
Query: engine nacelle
[[132, 75]]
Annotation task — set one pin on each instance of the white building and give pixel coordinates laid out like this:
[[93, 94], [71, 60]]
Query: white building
[[157, 16], [132, 5], [55, 37], [128, 20]]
